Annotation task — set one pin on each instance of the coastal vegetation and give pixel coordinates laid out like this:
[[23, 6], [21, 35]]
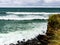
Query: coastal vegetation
[[53, 31]]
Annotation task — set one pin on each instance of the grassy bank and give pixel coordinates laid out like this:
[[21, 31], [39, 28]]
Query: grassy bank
[[53, 31]]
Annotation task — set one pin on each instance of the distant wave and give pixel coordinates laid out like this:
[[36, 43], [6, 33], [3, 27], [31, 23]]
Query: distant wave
[[32, 12], [16, 17], [29, 12], [26, 15]]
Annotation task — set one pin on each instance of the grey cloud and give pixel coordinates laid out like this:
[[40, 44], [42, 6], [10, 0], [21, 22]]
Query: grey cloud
[[18, 3]]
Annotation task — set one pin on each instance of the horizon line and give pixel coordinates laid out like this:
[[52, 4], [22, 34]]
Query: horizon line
[[30, 7]]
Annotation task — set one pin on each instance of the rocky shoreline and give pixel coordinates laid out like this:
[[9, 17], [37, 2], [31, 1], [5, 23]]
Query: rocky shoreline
[[39, 40]]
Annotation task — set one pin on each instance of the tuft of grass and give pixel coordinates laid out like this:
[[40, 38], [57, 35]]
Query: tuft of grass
[[54, 21]]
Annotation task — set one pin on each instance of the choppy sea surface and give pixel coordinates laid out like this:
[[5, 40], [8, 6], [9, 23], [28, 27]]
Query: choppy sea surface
[[16, 25]]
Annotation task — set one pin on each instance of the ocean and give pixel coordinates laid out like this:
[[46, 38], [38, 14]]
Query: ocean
[[29, 9], [23, 23]]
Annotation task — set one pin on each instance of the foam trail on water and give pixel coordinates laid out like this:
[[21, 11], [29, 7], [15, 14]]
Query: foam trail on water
[[16, 17], [32, 12]]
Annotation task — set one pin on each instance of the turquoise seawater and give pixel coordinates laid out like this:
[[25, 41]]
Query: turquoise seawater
[[7, 26]]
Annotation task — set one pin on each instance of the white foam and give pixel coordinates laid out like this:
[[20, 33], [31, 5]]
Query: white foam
[[16, 17], [12, 37], [32, 12]]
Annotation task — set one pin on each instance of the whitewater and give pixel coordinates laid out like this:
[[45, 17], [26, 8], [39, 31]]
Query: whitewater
[[14, 27]]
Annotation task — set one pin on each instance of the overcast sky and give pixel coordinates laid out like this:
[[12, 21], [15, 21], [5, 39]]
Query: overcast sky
[[19, 3]]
